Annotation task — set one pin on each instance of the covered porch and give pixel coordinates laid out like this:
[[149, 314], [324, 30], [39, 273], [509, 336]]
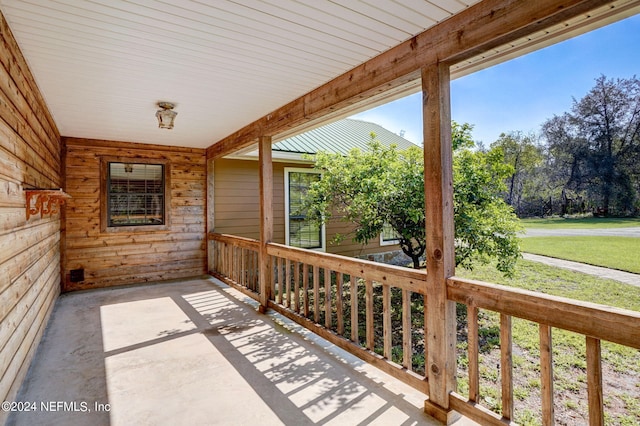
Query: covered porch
[[195, 351], [198, 338]]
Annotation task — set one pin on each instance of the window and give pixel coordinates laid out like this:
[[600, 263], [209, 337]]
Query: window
[[388, 236], [135, 195], [300, 231]]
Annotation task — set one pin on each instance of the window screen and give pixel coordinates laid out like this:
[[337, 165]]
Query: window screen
[[388, 234], [135, 194], [303, 233]]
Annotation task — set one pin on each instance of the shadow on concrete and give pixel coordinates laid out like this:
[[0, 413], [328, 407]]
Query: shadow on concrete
[[196, 352]]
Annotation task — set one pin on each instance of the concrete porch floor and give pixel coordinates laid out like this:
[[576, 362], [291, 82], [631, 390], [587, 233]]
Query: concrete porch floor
[[196, 352]]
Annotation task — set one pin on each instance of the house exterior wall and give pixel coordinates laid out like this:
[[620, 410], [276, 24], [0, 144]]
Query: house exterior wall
[[135, 254], [29, 249], [237, 207]]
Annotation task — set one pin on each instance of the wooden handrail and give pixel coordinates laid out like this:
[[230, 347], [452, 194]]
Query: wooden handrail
[[247, 243], [409, 279], [590, 319]]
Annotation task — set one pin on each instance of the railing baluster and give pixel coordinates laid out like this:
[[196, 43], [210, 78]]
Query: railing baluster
[[386, 321], [369, 314], [274, 267], [229, 263], [506, 365], [280, 281], [225, 255], [214, 255], [287, 286], [316, 293], [546, 374], [241, 266], [354, 309], [219, 249], [339, 304], [254, 274], [234, 264], [296, 287], [305, 289], [407, 350], [245, 267], [594, 382], [221, 259], [327, 297], [237, 265], [425, 332], [473, 348]]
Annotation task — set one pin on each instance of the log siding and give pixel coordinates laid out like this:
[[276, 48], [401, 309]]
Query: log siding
[[129, 255], [30, 157]]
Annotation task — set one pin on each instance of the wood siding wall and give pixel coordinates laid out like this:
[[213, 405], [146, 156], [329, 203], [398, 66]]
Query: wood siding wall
[[133, 255], [237, 207], [29, 250]]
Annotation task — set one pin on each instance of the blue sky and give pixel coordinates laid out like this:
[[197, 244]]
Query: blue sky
[[521, 94]]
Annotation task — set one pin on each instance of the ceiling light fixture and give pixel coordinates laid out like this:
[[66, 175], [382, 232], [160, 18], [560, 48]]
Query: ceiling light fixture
[[166, 115]]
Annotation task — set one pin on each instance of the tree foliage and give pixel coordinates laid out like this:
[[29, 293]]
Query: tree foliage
[[486, 226], [384, 185], [370, 189], [595, 148], [526, 156]]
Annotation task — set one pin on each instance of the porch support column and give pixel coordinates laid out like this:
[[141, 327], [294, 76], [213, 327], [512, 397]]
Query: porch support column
[[266, 218], [210, 211], [440, 314]]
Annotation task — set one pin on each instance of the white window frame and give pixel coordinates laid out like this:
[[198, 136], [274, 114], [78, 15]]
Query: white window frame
[[323, 231], [388, 242]]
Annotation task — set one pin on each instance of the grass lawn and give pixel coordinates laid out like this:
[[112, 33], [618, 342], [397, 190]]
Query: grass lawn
[[612, 252], [621, 365], [546, 279], [580, 223]]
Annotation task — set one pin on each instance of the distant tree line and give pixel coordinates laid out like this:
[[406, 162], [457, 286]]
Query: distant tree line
[[586, 160]]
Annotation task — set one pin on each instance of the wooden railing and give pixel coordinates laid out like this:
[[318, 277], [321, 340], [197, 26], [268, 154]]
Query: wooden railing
[[594, 322], [235, 261], [375, 311], [345, 300]]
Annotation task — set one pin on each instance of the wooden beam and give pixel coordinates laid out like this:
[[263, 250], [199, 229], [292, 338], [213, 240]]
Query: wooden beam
[[485, 25], [440, 313], [266, 219]]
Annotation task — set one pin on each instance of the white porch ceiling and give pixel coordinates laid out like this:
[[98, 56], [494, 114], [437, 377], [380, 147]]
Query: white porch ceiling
[[103, 65]]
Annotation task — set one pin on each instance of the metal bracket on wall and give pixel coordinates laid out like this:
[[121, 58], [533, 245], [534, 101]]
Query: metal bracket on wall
[[44, 201]]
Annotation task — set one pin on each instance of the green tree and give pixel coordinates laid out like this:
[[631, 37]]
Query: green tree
[[370, 189], [486, 226], [386, 186], [597, 144], [525, 155]]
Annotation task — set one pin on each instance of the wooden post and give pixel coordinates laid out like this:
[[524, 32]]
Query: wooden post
[[266, 219], [210, 213], [440, 314]]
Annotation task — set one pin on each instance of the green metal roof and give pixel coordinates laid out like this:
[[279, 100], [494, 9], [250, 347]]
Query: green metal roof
[[340, 137]]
